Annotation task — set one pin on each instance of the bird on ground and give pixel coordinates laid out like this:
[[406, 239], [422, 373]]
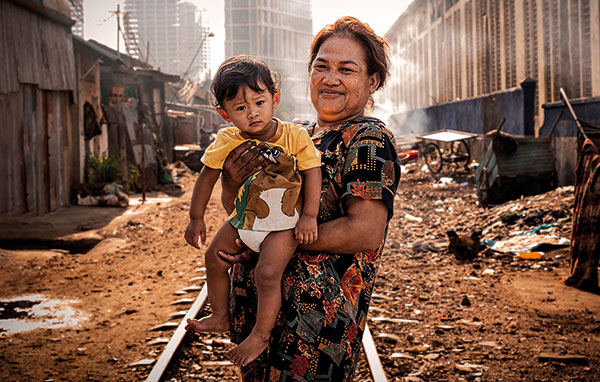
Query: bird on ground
[[464, 247]]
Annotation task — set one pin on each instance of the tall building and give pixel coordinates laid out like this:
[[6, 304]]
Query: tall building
[[76, 7], [448, 50], [173, 32], [193, 36], [279, 32]]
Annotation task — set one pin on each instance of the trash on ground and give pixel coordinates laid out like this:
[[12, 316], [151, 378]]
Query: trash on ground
[[414, 219]]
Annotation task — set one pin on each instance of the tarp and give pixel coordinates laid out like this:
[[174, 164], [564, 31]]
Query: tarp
[[585, 235]]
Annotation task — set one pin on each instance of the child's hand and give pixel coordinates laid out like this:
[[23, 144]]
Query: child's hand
[[194, 231], [306, 230]]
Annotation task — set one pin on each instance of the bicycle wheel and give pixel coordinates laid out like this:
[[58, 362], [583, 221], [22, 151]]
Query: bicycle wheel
[[460, 154], [433, 157]]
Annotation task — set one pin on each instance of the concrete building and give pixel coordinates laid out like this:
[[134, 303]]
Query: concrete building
[[173, 31], [280, 32], [449, 50], [191, 35], [77, 15]]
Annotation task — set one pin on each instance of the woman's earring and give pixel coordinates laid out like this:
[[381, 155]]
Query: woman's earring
[[370, 103]]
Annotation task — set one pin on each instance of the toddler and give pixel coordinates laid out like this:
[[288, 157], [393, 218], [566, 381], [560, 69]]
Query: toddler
[[274, 210]]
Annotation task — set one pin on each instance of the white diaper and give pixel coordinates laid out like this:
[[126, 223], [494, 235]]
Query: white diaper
[[253, 239]]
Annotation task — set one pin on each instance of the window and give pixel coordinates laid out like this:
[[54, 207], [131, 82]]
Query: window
[[240, 33], [240, 3], [239, 16], [241, 48]]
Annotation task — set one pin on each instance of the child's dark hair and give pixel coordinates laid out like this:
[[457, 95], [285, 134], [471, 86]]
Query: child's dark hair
[[239, 72]]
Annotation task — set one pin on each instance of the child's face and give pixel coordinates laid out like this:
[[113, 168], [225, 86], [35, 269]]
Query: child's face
[[252, 112]]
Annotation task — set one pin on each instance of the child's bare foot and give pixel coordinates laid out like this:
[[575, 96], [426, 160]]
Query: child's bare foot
[[210, 323], [248, 350]]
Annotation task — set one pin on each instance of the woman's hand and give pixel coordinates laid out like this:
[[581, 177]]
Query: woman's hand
[[244, 253], [241, 162]]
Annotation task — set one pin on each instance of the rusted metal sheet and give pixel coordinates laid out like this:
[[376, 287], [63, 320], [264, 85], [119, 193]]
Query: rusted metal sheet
[[506, 173], [533, 156]]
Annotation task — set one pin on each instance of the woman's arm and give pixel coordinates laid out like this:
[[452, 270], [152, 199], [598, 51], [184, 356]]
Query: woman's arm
[[242, 162], [361, 228]]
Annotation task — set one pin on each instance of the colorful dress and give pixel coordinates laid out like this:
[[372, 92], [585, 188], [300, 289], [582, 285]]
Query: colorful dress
[[326, 296]]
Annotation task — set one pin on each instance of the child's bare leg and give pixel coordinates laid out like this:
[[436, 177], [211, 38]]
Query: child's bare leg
[[275, 252], [217, 281]]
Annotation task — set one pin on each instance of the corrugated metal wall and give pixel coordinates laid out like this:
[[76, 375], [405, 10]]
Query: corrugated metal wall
[[446, 50]]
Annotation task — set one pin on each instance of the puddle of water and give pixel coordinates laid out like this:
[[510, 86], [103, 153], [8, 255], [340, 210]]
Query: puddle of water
[[30, 312]]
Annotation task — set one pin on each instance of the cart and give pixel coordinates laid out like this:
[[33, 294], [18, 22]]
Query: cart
[[446, 148]]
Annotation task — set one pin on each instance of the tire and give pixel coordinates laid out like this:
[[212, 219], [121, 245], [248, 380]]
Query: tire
[[460, 154], [433, 157]]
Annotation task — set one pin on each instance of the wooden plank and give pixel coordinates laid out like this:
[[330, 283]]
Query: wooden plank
[[53, 149], [8, 66], [38, 51], [373, 360], [26, 48], [8, 187], [29, 145], [42, 189], [162, 363]]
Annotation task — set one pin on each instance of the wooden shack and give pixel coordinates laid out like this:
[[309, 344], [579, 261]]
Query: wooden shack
[[37, 81], [128, 98]]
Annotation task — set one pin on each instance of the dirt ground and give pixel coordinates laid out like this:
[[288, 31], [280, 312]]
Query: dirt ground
[[497, 318]]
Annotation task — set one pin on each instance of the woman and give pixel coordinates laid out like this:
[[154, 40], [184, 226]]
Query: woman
[[327, 285]]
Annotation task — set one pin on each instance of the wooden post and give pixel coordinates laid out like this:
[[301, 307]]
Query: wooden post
[[143, 163], [140, 87], [123, 147]]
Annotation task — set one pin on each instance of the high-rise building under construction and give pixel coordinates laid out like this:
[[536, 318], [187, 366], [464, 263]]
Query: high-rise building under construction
[[167, 34], [279, 32]]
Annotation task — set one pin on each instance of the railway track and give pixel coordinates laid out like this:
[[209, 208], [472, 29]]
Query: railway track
[[168, 355]]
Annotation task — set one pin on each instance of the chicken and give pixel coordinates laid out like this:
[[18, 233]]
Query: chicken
[[464, 247]]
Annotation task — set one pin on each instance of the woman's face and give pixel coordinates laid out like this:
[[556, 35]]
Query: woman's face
[[339, 82]]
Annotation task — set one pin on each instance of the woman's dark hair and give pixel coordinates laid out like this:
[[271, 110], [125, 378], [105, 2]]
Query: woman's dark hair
[[239, 72], [374, 47]]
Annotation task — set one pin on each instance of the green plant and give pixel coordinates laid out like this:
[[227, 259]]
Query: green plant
[[103, 169], [133, 174]]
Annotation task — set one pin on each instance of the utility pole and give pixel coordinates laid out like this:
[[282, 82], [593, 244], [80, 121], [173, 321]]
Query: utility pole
[[118, 14], [118, 26]]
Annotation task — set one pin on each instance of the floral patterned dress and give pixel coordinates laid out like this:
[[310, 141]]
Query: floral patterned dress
[[326, 296]]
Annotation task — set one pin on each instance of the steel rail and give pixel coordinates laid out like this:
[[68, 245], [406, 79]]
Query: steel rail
[[375, 365], [166, 357]]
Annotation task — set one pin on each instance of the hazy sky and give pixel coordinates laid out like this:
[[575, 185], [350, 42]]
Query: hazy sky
[[380, 14]]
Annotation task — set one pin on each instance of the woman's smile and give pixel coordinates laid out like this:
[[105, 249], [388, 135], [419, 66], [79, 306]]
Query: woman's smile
[[330, 93]]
